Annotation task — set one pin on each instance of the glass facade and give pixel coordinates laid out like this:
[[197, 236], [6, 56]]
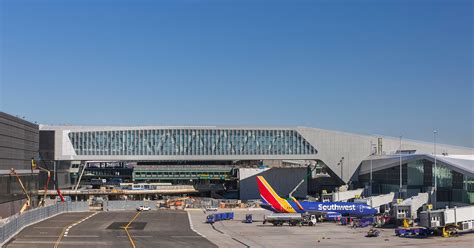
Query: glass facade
[[201, 173], [415, 172], [175, 142], [444, 176], [419, 176]]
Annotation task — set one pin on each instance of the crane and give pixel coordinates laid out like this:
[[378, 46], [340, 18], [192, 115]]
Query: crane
[[35, 166], [46, 185], [27, 204]]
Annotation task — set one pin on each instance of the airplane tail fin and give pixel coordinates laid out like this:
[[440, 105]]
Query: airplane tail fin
[[270, 197]]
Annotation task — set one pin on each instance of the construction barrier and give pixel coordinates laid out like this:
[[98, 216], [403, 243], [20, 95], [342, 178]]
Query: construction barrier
[[12, 225]]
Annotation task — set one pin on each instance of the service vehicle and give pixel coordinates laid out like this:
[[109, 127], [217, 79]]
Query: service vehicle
[[143, 208], [293, 219]]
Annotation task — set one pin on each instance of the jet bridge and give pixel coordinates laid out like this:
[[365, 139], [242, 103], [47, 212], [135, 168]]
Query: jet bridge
[[377, 201], [408, 208], [343, 195]]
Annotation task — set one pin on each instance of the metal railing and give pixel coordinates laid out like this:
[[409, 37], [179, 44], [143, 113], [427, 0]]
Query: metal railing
[[12, 225]]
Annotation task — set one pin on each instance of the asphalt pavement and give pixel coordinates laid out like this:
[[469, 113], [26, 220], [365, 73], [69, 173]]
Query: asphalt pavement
[[156, 228]]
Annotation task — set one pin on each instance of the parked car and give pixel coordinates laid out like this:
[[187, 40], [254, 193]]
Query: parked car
[[143, 208]]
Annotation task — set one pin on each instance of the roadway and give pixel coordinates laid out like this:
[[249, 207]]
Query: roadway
[[156, 228]]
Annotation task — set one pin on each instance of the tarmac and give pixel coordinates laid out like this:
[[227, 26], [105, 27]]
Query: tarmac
[[327, 234], [177, 228], [163, 228]]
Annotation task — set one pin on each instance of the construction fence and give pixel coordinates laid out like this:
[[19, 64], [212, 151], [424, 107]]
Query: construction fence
[[12, 225]]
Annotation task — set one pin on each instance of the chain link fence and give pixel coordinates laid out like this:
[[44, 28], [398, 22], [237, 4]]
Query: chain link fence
[[12, 225]]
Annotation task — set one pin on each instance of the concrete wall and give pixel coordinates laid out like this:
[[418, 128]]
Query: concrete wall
[[127, 205], [282, 180]]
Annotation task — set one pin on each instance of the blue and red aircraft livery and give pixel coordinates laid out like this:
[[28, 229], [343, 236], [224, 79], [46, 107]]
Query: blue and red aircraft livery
[[275, 203]]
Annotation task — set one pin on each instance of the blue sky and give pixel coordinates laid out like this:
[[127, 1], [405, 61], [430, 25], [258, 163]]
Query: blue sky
[[371, 67]]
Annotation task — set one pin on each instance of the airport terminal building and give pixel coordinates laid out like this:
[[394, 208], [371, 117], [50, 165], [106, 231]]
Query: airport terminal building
[[19, 140], [229, 158]]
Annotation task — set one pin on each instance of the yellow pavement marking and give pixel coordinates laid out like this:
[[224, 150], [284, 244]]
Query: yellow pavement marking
[[126, 230], [67, 227]]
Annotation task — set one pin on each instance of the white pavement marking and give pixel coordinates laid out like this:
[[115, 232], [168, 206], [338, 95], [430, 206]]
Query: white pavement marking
[[135, 236], [93, 243], [188, 236], [191, 225], [38, 227], [30, 224], [66, 231], [38, 236], [83, 236], [55, 236]]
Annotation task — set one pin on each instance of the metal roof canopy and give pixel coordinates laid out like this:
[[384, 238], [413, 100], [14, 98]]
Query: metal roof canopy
[[463, 166]]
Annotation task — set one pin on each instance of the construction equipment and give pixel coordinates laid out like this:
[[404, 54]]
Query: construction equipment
[[449, 221], [35, 166], [176, 202], [27, 204]]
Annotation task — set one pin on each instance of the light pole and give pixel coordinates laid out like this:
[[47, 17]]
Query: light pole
[[338, 189], [400, 153], [435, 166], [371, 154], [342, 175]]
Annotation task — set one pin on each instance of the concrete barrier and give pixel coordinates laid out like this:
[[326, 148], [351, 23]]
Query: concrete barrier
[[127, 205]]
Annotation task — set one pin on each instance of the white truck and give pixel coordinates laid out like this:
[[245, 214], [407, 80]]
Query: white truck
[[449, 220], [293, 219]]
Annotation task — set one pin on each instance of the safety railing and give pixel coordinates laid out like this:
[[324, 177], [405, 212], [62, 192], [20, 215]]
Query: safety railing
[[12, 225]]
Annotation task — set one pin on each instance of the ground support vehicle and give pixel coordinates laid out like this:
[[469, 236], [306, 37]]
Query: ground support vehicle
[[143, 208], [413, 232], [363, 222], [248, 219], [373, 233], [278, 219], [347, 221], [212, 218], [382, 220]]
